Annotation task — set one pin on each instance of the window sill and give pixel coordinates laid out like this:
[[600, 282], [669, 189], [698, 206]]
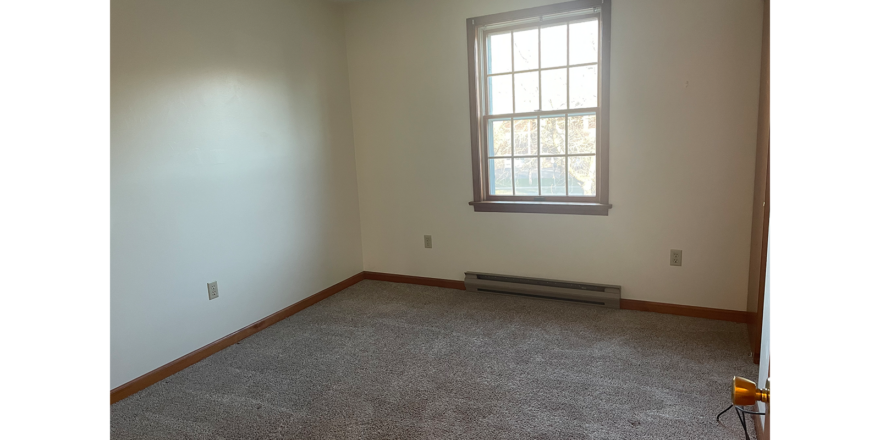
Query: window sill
[[542, 207]]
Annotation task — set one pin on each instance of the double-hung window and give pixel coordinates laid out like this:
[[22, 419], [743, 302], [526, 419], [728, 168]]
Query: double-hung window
[[539, 108]]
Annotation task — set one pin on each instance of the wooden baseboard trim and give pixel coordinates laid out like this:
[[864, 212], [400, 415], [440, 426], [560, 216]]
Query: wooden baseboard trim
[[759, 433], [625, 304], [407, 279], [139, 383], [692, 311], [187, 360]]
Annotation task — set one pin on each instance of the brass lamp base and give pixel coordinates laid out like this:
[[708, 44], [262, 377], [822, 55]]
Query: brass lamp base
[[745, 392]]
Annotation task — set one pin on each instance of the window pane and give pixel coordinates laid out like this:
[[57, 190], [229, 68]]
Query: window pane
[[553, 176], [499, 53], [525, 137], [553, 92], [553, 135], [526, 92], [500, 95], [584, 40], [526, 172], [584, 87], [582, 175], [525, 50], [582, 134], [553, 46], [499, 177], [499, 137]]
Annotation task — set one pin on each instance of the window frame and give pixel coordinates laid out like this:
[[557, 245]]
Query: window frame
[[516, 20]]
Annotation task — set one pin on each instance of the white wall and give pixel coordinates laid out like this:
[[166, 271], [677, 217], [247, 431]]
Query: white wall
[[682, 159], [231, 160]]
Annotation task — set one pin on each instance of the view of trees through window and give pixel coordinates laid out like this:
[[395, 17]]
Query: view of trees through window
[[542, 97]]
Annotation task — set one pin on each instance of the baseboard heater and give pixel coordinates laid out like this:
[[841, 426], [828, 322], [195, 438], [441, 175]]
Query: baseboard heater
[[602, 295]]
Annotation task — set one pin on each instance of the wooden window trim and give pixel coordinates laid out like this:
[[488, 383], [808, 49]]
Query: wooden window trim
[[583, 208], [483, 202]]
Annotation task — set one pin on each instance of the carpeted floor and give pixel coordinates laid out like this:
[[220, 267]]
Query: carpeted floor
[[383, 360]]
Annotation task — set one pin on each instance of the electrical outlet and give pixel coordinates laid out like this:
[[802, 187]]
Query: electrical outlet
[[213, 292], [428, 242], [675, 257]]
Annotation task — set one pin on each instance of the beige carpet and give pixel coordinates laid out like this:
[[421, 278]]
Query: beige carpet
[[383, 360]]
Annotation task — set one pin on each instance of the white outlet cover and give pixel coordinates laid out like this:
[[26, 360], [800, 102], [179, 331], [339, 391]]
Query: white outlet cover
[[213, 291], [675, 257]]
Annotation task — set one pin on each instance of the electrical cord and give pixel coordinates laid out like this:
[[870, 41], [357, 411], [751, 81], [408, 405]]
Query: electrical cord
[[741, 416]]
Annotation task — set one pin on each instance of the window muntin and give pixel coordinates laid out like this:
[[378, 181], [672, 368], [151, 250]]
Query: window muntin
[[541, 97]]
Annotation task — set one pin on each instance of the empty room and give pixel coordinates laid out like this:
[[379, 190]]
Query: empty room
[[438, 219]]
